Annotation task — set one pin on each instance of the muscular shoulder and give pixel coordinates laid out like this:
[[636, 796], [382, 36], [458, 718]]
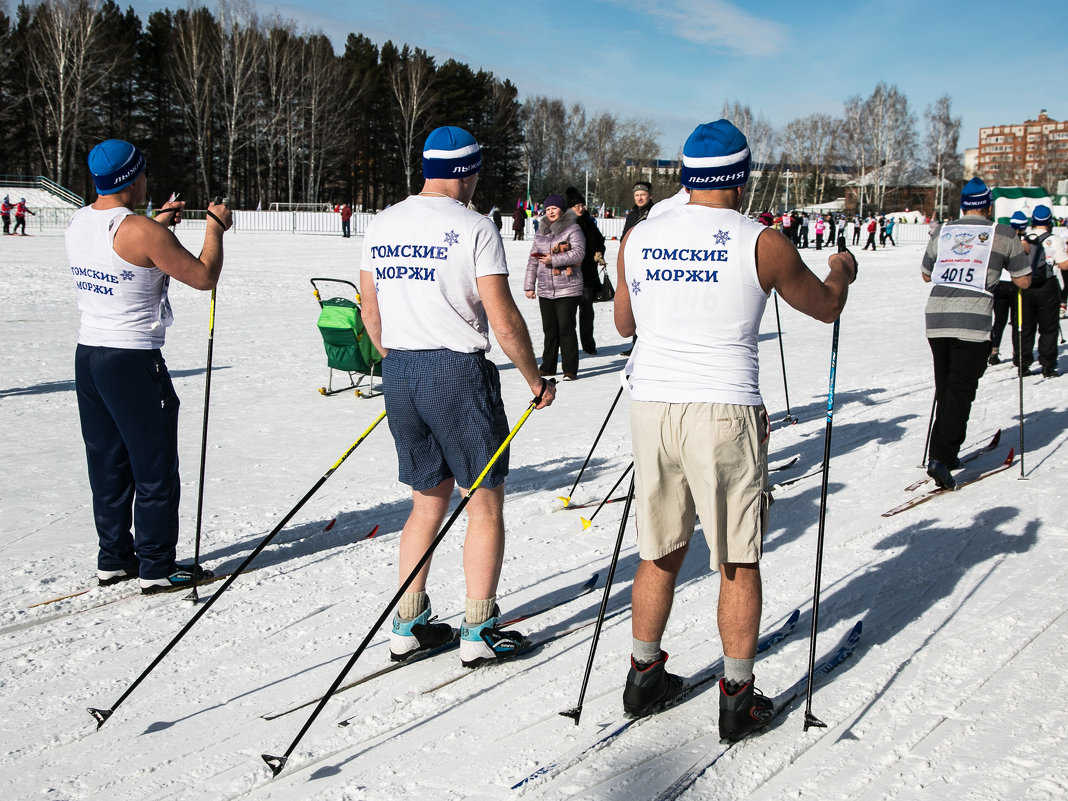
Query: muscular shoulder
[[135, 238]]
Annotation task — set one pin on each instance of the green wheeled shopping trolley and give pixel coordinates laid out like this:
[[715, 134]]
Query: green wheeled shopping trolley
[[348, 346]]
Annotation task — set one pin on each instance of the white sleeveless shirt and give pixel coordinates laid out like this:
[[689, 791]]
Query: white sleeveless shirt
[[122, 305], [426, 254], [697, 304]]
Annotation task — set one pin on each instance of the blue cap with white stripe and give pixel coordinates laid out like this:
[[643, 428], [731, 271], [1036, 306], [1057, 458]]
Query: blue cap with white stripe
[[716, 156], [1018, 220], [115, 165], [975, 195], [1042, 215], [450, 152]]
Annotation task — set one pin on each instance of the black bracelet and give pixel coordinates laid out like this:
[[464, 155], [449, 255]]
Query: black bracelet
[[220, 222], [544, 385]]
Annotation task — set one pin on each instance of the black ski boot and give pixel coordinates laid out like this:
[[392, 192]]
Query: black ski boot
[[742, 712], [941, 475], [409, 637], [650, 689]]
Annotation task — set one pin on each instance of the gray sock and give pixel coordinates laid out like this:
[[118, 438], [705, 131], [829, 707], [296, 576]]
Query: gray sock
[[479, 610], [412, 604], [645, 653], [737, 672]]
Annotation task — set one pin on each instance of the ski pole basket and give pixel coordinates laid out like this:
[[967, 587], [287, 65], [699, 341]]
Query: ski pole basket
[[348, 346]]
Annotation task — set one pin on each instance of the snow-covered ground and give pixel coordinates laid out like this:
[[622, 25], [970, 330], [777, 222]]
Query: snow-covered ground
[[956, 691]]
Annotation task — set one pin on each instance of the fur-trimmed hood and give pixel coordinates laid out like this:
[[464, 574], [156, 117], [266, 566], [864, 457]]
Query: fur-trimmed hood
[[567, 218]]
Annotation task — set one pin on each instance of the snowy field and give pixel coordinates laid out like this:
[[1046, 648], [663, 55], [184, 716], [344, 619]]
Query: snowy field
[[957, 689]]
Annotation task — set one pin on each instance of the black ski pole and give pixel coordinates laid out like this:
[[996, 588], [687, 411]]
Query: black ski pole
[[203, 448], [930, 430], [597, 439], [102, 715], [576, 712], [1020, 371], [277, 763], [789, 419], [587, 523], [810, 719]]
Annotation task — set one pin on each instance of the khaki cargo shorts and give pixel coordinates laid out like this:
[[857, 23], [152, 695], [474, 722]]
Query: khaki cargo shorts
[[707, 460]]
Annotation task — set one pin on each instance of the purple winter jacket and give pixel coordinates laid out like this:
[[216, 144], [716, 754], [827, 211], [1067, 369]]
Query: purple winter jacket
[[549, 236]]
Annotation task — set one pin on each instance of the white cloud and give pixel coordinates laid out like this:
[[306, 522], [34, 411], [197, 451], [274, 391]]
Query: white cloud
[[717, 23]]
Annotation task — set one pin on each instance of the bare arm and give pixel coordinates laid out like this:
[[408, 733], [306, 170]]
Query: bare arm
[[621, 310], [511, 331], [780, 267], [369, 311], [149, 243]]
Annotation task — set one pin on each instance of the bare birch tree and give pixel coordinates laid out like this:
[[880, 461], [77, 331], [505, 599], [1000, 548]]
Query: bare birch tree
[[67, 66], [762, 140], [808, 143], [240, 48], [856, 146], [943, 132], [890, 128], [326, 98], [194, 68], [411, 79], [278, 88]]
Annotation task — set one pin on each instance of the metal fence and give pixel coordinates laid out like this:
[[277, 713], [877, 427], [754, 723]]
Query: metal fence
[[329, 223]]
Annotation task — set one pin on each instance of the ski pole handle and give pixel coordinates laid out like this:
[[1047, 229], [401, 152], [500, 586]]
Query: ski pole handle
[[843, 249]]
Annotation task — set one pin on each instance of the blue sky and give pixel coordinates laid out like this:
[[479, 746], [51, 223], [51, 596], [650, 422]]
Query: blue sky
[[675, 61]]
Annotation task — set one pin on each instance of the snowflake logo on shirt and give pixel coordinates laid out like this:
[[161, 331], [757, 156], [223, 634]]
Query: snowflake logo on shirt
[[127, 275], [635, 286], [722, 238], [452, 238]]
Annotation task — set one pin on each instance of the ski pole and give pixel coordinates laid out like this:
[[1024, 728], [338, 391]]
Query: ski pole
[[587, 523], [102, 715], [789, 419], [810, 719], [930, 430], [277, 763], [1020, 371], [597, 439], [203, 448], [576, 712]]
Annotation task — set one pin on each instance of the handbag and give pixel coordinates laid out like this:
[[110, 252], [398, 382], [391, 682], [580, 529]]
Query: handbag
[[606, 291]]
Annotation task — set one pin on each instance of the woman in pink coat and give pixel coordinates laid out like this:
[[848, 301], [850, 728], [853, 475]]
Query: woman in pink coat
[[820, 226], [554, 276]]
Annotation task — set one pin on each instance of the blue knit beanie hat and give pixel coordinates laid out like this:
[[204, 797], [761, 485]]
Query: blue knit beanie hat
[[115, 165], [716, 156], [1018, 220], [975, 195], [450, 152], [1042, 215], [555, 200]]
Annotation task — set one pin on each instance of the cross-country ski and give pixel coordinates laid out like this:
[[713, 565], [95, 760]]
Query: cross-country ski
[[962, 482]]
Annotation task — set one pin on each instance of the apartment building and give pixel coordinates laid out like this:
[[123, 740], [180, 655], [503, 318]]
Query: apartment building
[[1032, 153]]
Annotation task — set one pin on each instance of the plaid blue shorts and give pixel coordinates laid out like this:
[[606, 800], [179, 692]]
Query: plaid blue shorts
[[447, 418]]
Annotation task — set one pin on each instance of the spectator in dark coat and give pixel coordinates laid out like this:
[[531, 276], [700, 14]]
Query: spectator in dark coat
[[643, 202], [591, 263], [519, 223]]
